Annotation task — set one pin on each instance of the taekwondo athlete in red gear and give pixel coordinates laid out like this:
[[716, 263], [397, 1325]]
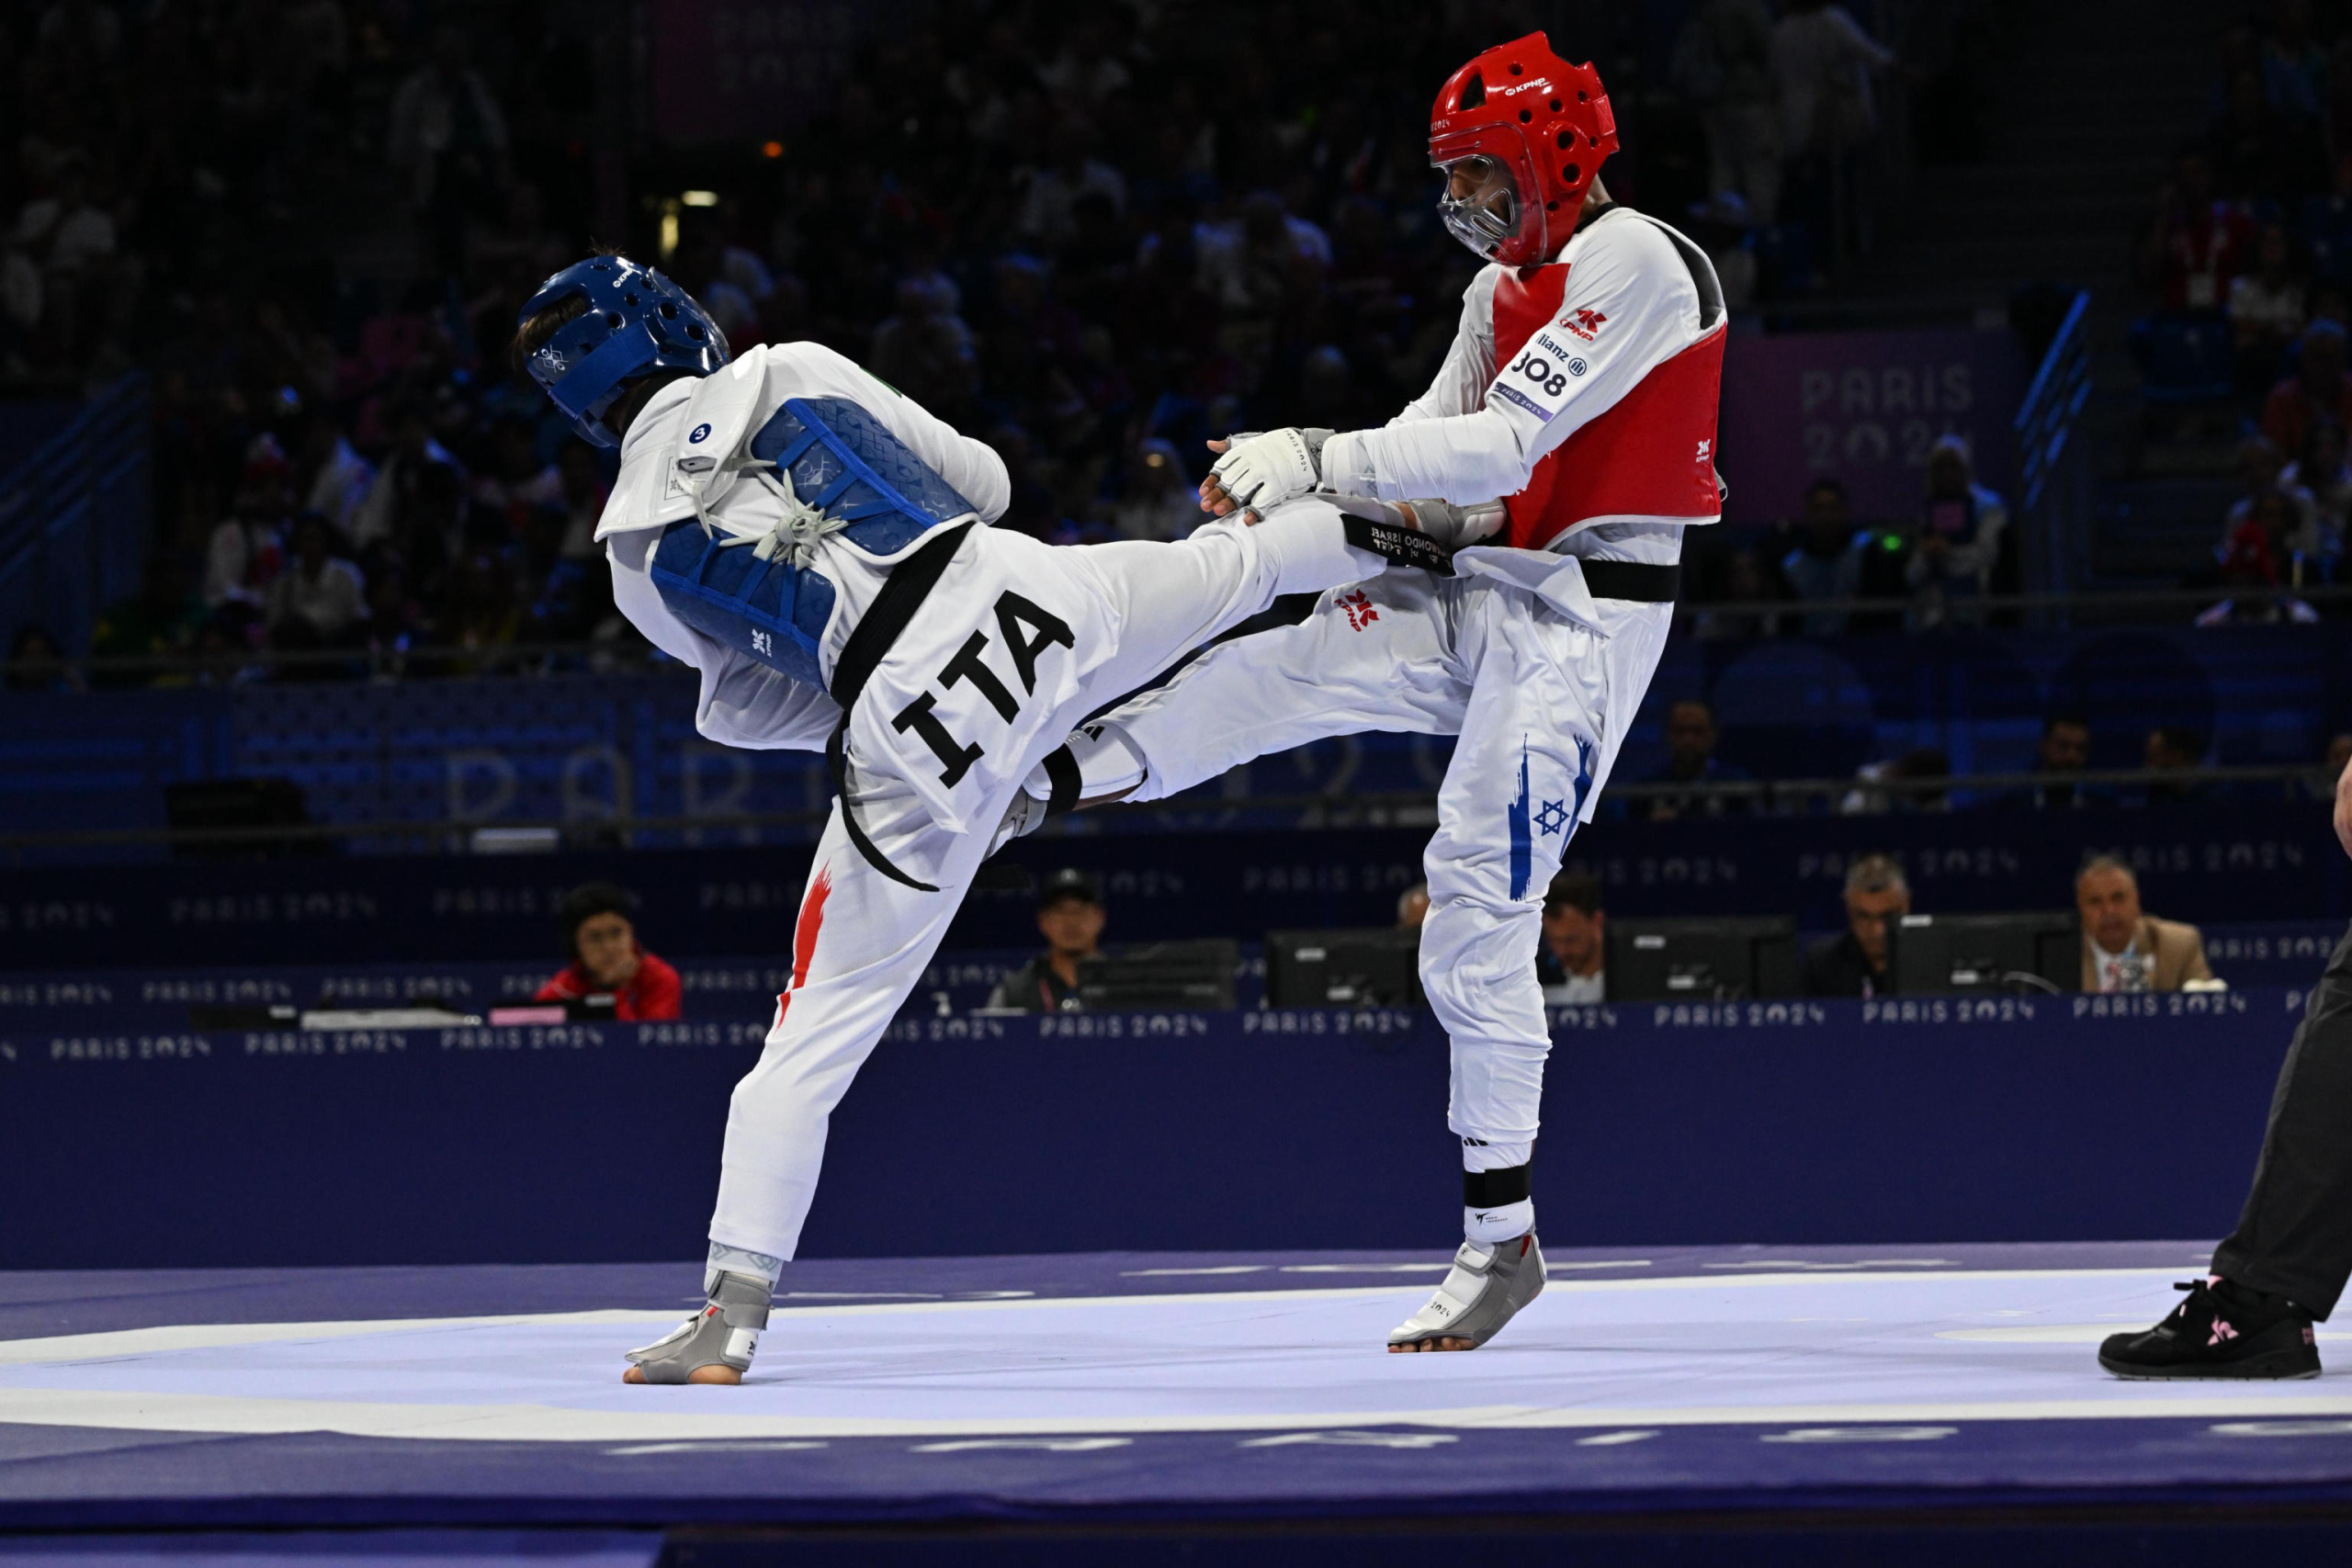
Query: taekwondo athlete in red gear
[[1567, 441], [817, 545]]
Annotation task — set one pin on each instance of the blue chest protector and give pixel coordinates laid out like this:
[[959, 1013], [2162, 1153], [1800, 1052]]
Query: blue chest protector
[[844, 462]]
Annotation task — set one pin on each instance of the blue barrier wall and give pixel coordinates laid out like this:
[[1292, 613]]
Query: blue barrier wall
[[2216, 862], [586, 748], [1898, 1121]]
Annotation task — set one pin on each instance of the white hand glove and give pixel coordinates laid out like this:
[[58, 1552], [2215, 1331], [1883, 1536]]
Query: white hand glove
[[1260, 471]]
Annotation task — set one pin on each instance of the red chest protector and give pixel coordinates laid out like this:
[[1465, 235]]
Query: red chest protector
[[1652, 454]]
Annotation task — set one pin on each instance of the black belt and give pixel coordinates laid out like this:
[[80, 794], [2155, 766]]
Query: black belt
[[893, 610], [1631, 580]]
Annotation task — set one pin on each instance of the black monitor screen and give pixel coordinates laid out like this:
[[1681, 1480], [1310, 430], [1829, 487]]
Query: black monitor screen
[[1701, 960], [1161, 975], [1373, 967], [2035, 951]]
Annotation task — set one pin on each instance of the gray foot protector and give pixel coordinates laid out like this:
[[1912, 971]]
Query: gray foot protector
[[725, 1333], [1483, 1290]]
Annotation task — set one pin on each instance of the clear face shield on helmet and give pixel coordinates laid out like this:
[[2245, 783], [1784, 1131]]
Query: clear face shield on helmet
[[1481, 205]]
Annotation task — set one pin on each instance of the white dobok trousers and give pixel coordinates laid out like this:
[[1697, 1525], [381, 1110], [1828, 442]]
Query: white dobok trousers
[[1541, 705], [861, 938]]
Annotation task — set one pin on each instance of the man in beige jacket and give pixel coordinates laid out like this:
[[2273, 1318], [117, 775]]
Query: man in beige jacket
[[2124, 950]]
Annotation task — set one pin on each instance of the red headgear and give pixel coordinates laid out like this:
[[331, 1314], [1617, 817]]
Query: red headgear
[[1546, 121]]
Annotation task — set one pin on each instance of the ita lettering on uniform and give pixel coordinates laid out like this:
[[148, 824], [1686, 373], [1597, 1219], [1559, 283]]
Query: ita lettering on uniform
[[1028, 629]]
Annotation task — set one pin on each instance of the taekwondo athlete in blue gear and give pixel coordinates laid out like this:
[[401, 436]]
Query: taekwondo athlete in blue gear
[[817, 546]]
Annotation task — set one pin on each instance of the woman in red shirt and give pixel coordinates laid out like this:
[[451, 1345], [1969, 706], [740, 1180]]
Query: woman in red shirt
[[606, 958]]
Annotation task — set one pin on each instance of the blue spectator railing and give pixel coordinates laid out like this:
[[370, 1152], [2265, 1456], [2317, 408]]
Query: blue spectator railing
[[74, 519], [2054, 470]]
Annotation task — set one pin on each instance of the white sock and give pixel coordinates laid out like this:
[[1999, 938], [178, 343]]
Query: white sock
[[725, 1260]]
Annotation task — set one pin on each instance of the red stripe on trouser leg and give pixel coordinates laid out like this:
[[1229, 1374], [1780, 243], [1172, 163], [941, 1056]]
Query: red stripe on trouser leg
[[804, 939]]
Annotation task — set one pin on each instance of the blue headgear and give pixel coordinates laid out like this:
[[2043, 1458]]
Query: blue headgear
[[637, 320]]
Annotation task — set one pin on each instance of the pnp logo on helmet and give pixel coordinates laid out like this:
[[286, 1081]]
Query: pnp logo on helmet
[[1544, 128]]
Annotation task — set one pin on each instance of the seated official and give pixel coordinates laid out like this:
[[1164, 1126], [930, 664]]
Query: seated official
[[1567, 960], [1854, 962], [2124, 950], [1070, 917], [599, 931]]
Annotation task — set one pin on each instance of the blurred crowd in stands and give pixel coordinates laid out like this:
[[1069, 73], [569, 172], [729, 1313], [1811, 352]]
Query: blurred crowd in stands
[[2248, 253], [1095, 234], [1928, 568], [2173, 761], [1087, 232]]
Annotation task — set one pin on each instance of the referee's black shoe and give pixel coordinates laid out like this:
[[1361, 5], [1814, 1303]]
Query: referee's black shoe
[[2221, 1330]]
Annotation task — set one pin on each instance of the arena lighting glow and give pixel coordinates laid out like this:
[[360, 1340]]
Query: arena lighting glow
[[699, 198]]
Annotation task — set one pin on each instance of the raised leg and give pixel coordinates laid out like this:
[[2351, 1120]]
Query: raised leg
[[1373, 656], [1169, 598]]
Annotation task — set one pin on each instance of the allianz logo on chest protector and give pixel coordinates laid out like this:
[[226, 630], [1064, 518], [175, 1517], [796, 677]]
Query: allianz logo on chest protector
[[1028, 629]]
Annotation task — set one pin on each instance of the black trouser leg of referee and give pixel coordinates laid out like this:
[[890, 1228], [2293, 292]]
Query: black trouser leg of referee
[[2295, 1237]]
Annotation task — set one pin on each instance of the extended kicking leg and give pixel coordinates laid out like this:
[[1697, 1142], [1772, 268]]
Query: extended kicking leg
[[1372, 656]]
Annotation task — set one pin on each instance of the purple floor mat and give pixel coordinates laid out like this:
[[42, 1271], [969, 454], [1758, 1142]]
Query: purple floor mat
[[368, 1549], [1129, 1386]]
